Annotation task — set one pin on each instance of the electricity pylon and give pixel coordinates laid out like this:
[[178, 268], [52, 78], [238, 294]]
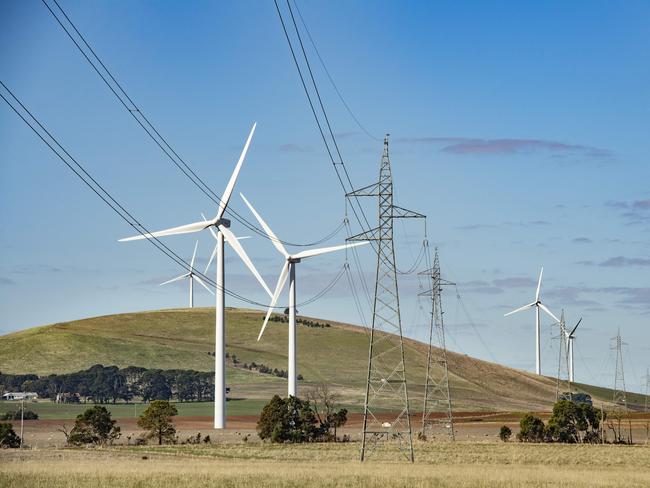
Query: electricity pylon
[[437, 395], [386, 388], [563, 359], [620, 395]]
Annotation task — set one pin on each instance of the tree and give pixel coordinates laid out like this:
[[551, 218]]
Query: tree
[[505, 433], [573, 422], [531, 429], [325, 406], [94, 426], [157, 420], [8, 437], [288, 420]]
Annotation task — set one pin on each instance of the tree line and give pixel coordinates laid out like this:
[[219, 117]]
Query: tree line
[[109, 384]]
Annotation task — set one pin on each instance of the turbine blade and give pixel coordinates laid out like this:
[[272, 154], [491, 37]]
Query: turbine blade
[[202, 283], [175, 279], [183, 229], [234, 243], [223, 203], [276, 242], [212, 256], [539, 284], [520, 309], [323, 250], [194, 255], [276, 294], [543, 307], [574, 329]]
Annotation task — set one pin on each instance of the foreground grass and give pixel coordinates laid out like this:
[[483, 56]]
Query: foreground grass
[[438, 465]]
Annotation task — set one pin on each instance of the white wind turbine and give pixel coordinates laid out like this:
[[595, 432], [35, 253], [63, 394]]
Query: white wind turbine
[[222, 232], [289, 270], [538, 305], [191, 276], [570, 337]]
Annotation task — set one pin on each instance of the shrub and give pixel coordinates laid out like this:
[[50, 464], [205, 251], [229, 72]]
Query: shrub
[[573, 422], [8, 437], [505, 433], [94, 426], [531, 429]]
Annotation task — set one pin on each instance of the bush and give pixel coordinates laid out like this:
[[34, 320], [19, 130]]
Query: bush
[[8, 437], [505, 433], [531, 429], [94, 426], [15, 415]]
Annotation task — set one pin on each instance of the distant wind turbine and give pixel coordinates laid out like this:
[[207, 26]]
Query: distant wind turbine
[[538, 305], [570, 336], [222, 232], [191, 276], [289, 270]]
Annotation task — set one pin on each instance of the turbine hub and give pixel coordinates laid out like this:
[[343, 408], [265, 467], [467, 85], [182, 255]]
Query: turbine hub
[[224, 222]]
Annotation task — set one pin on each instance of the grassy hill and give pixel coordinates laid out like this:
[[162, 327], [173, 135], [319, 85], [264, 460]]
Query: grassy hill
[[337, 355]]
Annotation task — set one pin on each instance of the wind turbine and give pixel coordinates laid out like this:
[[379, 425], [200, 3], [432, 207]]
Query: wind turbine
[[538, 305], [289, 270], [191, 276], [222, 232], [570, 338]]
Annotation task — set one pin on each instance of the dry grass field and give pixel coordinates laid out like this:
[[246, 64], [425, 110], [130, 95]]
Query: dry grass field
[[458, 465]]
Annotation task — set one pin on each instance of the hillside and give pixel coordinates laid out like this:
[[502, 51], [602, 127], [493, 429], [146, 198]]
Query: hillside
[[337, 355]]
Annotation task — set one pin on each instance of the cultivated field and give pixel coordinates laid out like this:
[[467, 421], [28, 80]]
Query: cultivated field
[[458, 465]]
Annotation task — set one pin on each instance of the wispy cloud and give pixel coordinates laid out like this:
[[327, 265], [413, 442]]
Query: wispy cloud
[[7, 281], [515, 282], [470, 145], [636, 212], [531, 223], [618, 262], [582, 240]]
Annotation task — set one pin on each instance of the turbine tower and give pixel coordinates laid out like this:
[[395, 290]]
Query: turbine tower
[[538, 305], [191, 276], [570, 338], [223, 232], [289, 270], [386, 387]]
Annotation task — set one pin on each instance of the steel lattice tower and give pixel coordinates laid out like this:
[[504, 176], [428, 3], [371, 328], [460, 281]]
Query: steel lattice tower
[[620, 395], [437, 395], [386, 388]]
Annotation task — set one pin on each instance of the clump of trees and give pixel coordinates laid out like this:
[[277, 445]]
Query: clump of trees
[[259, 367], [306, 322], [294, 420], [108, 384], [8, 438], [570, 423], [93, 427], [16, 415], [157, 421]]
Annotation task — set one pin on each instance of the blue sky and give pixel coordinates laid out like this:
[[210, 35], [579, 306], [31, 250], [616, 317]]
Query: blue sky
[[519, 129]]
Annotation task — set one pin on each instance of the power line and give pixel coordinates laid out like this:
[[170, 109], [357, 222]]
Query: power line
[[338, 92], [80, 171], [127, 102]]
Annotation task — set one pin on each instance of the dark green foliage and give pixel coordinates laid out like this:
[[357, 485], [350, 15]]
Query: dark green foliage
[[573, 422], [504, 433], [8, 437], [94, 426], [104, 384], [157, 420], [261, 368], [289, 420], [306, 322], [531, 429], [15, 415]]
